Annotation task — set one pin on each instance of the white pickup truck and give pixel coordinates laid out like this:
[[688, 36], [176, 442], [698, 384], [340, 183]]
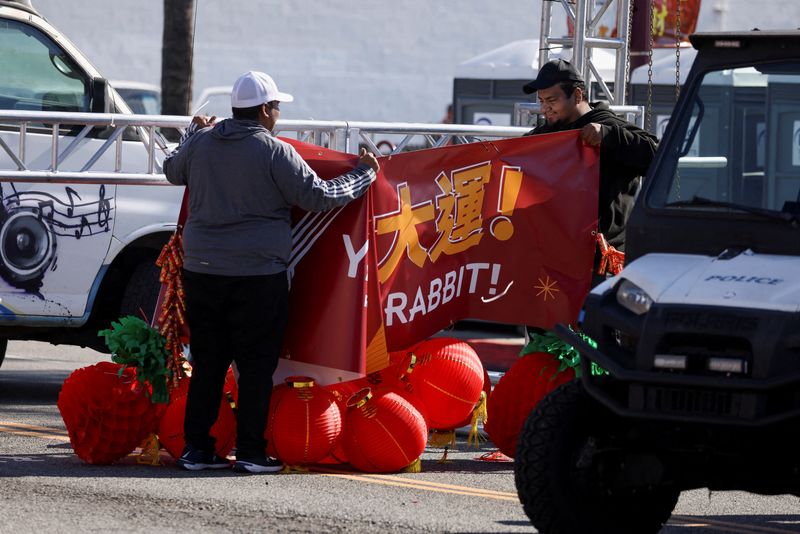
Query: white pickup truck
[[73, 256]]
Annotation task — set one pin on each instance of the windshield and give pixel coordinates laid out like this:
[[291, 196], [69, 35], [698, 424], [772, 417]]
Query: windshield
[[739, 146]]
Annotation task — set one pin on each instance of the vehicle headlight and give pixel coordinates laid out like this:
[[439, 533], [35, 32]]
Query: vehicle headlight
[[633, 298]]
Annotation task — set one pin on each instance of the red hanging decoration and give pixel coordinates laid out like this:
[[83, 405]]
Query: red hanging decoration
[[170, 431], [384, 434], [519, 390], [171, 313], [106, 414], [448, 377], [304, 422], [231, 388], [611, 259]]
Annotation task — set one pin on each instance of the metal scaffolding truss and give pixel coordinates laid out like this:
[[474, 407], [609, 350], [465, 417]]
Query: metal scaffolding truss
[[585, 16]]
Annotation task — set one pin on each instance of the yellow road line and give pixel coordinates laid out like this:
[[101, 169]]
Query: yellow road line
[[438, 484], [21, 429], [470, 492], [413, 481], [727, 526]]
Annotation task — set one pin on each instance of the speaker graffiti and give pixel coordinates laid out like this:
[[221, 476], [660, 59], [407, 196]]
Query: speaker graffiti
[[27, 247]]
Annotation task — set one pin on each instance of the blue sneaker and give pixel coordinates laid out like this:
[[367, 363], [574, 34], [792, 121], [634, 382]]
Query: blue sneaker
[[194, 459], [264, 464]]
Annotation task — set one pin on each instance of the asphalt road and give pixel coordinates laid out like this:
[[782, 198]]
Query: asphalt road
[[44, 487]]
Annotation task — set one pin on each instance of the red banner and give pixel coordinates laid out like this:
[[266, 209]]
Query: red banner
[[664, 21], [500, 231]]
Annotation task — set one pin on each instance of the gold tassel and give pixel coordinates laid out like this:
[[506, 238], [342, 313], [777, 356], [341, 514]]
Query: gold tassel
[[294, 469], [479, 417], [442, 438], [414, 467], [150, 454]]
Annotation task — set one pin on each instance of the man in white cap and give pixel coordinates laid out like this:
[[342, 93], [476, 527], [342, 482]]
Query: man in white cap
[[242, 184]]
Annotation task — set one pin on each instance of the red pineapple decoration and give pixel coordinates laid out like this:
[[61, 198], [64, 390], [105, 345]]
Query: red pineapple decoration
[[448, 377], [527, 382], [304, 422], [384, 434], [170, 431], [106, 414]]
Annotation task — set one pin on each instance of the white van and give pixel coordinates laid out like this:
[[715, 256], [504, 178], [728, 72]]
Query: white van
[[73, 256]]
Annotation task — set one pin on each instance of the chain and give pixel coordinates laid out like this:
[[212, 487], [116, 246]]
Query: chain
[[648, 116], [678, 51], [628, 52], [678, 83]]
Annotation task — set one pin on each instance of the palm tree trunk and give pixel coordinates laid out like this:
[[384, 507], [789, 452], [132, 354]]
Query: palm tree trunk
[[176, 57]]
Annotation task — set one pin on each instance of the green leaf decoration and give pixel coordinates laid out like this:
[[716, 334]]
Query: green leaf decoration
[[567, 355], [134, 343]]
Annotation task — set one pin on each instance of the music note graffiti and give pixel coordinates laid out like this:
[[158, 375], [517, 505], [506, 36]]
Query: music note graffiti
[[103, 209], [72, 193], [44, 205], [84, 224], [68, 215]]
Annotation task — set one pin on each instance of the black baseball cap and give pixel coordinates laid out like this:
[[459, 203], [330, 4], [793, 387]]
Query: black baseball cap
[[553, 72]]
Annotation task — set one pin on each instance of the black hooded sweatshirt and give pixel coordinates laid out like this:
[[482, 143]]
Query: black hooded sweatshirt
[[625, 153]]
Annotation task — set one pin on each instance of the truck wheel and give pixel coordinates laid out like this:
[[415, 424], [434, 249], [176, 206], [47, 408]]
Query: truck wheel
[[3, 349], [559, 479], [141, 292]]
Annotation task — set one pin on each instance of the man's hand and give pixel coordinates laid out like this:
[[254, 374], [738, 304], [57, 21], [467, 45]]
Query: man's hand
[[203, 121], [368, 158], [592, 134]]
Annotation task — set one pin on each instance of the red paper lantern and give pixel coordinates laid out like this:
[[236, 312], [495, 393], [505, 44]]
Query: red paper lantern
[[397, 379], [527, 382], [304, 422], [392, 379], [170, 431], [448, 377], [384, 434], [106, 415]]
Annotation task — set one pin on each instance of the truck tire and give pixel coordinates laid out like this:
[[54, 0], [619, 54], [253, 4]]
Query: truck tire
[[3, 349], [141, 292], [557, 481]]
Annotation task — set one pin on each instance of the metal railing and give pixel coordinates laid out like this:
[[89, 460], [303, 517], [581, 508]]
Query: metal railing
[[64, 143], [524, 112]]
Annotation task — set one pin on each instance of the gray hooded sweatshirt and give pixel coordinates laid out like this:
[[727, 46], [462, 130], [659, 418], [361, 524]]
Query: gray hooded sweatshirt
[[242, 184]]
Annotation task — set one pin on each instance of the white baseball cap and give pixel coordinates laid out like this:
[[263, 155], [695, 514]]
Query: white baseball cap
[[255, 88]]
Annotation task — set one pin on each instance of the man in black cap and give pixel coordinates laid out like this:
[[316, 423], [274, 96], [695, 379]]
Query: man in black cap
[[625, 150]]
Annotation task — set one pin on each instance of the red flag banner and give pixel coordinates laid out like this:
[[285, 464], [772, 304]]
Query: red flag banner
[[665, 18], [664, 23], [500, 231]]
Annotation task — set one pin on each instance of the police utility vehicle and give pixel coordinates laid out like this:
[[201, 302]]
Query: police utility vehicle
[[700, 333]]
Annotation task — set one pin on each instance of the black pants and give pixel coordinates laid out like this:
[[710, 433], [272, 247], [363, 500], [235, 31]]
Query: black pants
[[241, 319]]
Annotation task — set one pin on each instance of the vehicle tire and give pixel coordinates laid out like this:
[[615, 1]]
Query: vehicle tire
[[559, 478], [141, 293], [3, 349]]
